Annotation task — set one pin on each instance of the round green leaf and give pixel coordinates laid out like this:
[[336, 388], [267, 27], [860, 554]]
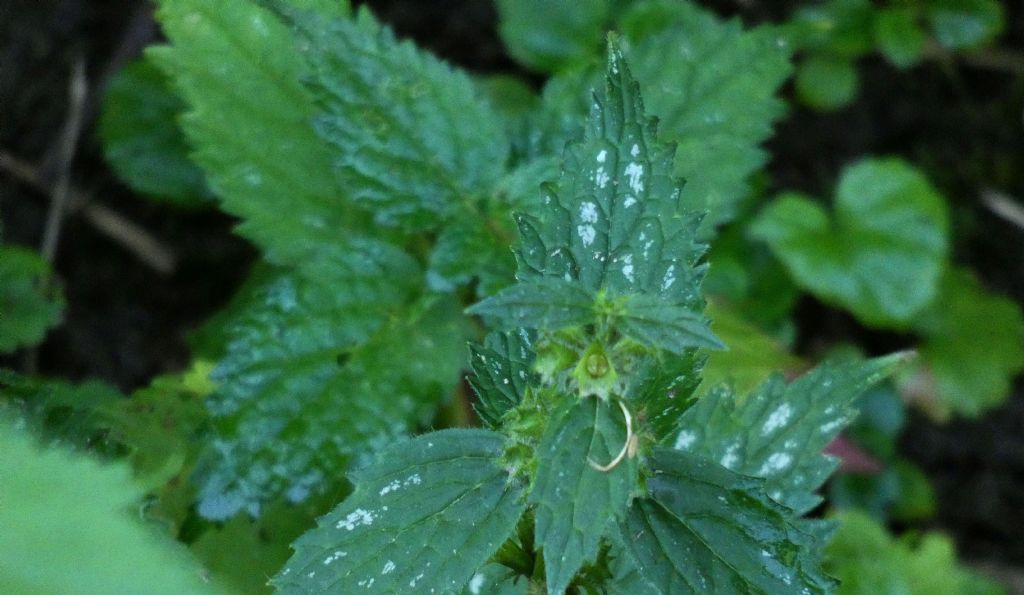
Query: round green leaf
[[960, 24], [30, 301], [900, 39], [879, 255], [826, 82]]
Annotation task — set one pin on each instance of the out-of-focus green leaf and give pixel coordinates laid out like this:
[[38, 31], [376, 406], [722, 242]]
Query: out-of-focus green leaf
[[965, 24], [142, 140], [879, 255], [827, 82], [973, 347], [867, 561], [70, 526], [552, 36], [750, 356], [31, 301], [899, 36]]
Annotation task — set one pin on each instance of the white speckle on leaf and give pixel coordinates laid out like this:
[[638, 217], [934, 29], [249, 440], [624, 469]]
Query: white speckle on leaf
[[601, 156], [355, 518], [476, 583], [335, 556], [685, 440], [635, 172], [832, 426], [629, 201], [412, 583], [635, 150], [627, 267], [601, 177], [730, 458], [389, 567], [775, 463], [670, 277], [777, 419], [587, 233], [588, 212]]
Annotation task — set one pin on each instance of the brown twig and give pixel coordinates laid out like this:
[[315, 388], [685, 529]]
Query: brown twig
[[136, 240]]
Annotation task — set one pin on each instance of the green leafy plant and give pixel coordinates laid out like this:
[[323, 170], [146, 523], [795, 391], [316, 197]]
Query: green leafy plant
[[634, 439]]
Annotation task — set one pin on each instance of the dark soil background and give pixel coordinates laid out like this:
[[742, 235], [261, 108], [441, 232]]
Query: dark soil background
[[959, 118]]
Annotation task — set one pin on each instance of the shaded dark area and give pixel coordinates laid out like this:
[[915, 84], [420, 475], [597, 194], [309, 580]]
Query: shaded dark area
[[126, 321]]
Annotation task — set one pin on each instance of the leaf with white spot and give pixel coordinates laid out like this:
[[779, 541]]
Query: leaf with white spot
[[576, 504], [502, 371], [778, 432], [549, 304], [612, 221], [423, 518], [319, 370], [671, 327], [705, 529]]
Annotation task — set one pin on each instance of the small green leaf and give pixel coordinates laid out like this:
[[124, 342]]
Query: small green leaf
[[705, 529], [778, 432], [551, 37], [576, 504], [973, 347], [502, 371], [882, 252], [899, 36], [31, 302], [70, 525], [142, 140], [675, 328], [423, 518], [827, 82], [661, 389], [965, 24], [414, 142], [549, 304]]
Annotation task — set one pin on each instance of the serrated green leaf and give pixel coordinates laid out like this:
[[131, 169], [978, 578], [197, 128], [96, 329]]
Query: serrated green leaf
[[613, 221], [867, 560], [249, 122], [882, 252], [141, 138], [423, 518], [661, 389], [964, 24], [290, 428], [549, 304], [576, 504], [675, 328], [973, 347], [778, 432], [827, 82], [550, 37], [466, 250], [899, 36], [413, 140], [31, 302], [705, 529], [70, 526], [502, 371], [712, 85]]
